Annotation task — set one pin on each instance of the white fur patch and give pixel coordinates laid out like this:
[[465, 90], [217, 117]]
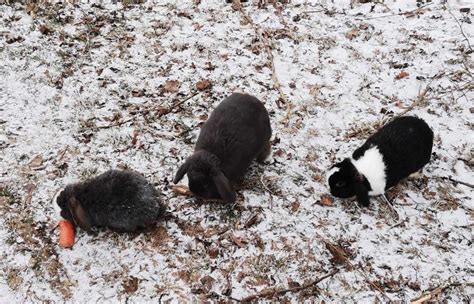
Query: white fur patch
[[56, 208], [331, 172], [371, 165]]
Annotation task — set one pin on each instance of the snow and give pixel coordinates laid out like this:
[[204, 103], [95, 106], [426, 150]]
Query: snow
[[72, 96]]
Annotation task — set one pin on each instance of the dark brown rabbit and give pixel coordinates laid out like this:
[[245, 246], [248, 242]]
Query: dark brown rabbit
[[237, 132], [122, 200]]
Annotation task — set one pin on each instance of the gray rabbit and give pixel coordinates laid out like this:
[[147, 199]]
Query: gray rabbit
[[237, 132], [121, 200]]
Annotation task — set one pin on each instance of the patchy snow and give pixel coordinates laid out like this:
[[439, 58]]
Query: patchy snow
[[85, 88]]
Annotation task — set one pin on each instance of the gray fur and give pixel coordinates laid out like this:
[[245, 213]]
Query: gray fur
[[237, 132], [122, 200]]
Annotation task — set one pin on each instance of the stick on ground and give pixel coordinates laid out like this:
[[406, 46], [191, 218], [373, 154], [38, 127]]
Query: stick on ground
[[274, 292], [263, 36]]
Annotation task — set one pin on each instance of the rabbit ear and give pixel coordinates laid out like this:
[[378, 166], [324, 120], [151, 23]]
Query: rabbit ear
[[79, 215], [224, 188], [362, 194], [181, 171]]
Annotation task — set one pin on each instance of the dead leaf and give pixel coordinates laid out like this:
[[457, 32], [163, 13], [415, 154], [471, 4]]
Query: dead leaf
[[295, 205], [36, 162], [352, 33], [364, 26], [13, 39], [402, 74], [341, 253], [171, 86], [3, 201], [184, 275], [252, 221], [181, 190], [213, 252], [139, 93], [326, 200], [203, 85], [134, 137], [239, 240], [159, 236], [130, 285], [44, 29]]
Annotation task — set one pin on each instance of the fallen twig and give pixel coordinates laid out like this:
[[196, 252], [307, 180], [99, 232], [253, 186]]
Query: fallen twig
[[274, 292], [348, 262], [147, 110], [177, 104], [421, 97], [391, 207], [261, 35], [432, 294], [455, 181], [398, 14], [269, 192], [460, 27]]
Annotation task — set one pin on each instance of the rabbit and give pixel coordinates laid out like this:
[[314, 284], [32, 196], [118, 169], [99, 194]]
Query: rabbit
[[237, 132], [399, 149], [121, 200]]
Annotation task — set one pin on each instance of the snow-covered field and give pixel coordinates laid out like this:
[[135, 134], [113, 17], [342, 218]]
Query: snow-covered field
[[85, 88]]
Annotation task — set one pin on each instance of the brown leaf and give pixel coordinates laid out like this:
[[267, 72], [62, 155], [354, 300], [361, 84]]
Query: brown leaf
[[171, 86], [213, 252], [293, 284], [364, 26], [239, 240], [341, 252], [13, 39], [402, 74], [29, 188], [183, 275], [240, 276], [44, 29], [181, 190], [3, 201], [203, 85], [207, 282], [134, 137], [252, 221], [139, 93], [130, 285], [295, 205], [326, 200], [352, 33], [279, 153], [36, 162], [258, 242], [392, 285], [159, 236]]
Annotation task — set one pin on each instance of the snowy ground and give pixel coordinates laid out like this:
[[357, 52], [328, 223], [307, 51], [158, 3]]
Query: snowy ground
[[86, 88]]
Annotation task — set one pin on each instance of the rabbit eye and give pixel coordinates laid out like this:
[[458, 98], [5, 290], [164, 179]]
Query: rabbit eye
[[341, 184]]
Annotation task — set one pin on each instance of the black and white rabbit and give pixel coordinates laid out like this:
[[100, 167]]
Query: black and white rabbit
[[121, 200], [400, 148], [237, 132]]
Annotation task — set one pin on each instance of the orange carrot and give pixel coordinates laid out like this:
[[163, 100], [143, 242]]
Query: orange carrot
[[66, 233]]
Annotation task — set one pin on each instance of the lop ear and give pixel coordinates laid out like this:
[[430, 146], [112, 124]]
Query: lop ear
[[79, 215], [362, 194], [224, 188], [181, 172]]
